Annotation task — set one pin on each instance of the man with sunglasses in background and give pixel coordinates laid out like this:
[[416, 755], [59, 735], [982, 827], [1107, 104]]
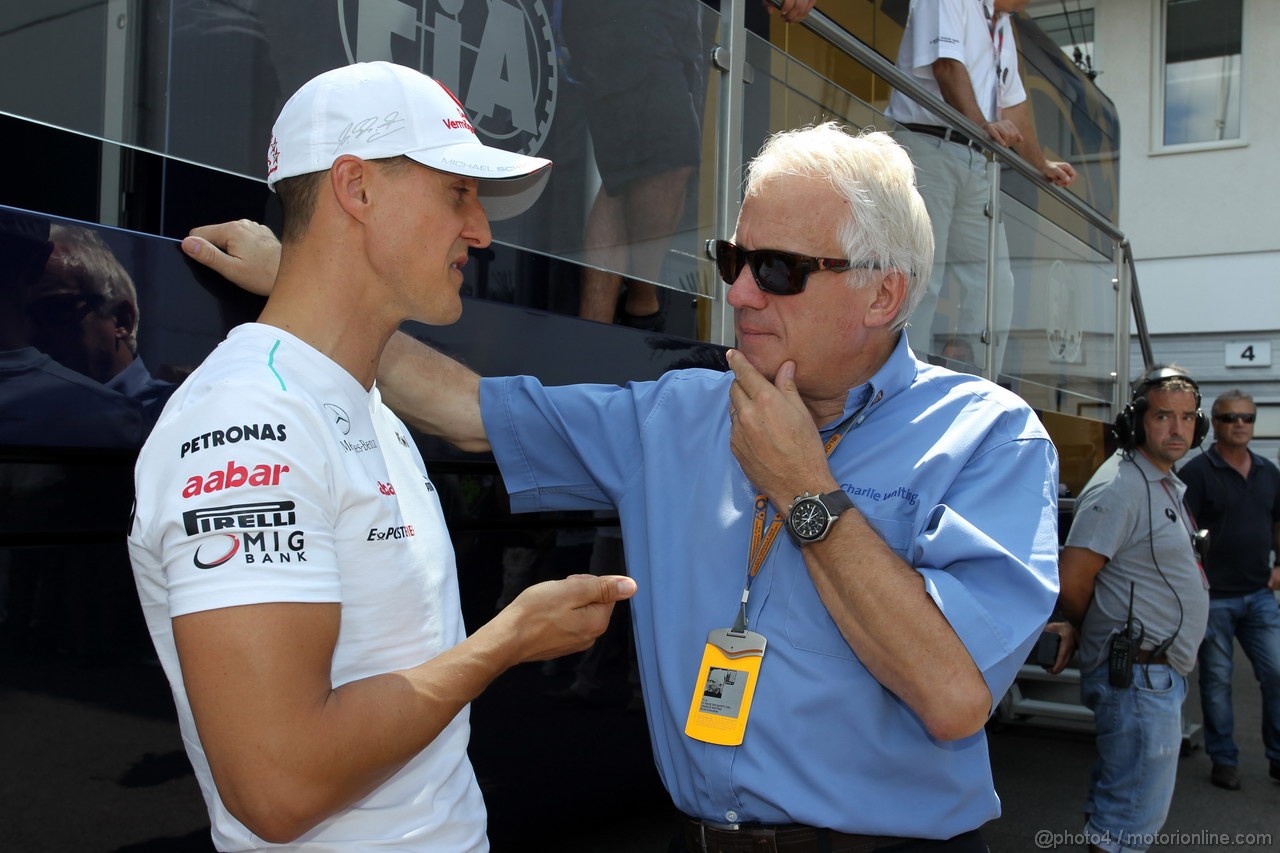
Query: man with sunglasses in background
[[1235, 493], [844, 554], [43, 403], [84, 312]]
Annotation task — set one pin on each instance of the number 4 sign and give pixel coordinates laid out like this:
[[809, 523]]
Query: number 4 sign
[[1248, 354]]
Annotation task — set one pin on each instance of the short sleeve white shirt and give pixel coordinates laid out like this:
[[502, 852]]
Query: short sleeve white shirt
[[960, 30], [274, 476]]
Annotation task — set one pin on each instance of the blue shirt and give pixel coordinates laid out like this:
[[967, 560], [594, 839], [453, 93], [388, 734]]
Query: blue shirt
[[954, 473]]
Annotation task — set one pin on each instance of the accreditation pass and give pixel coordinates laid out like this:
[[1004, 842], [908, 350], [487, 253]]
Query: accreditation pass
[[725, 686]]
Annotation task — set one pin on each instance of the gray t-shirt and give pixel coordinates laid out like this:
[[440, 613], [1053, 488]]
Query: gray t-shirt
[[1128, 512]]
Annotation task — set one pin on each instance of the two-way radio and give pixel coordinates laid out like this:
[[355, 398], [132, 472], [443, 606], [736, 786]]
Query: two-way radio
[[1120, 657]]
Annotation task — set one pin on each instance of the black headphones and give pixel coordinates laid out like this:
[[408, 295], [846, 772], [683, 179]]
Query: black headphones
[[1128, 428]]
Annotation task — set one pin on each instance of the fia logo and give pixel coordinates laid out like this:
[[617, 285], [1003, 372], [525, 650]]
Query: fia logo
[[499, 56]]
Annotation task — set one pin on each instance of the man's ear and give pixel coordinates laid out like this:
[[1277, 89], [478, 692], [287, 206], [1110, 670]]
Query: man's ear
[[348, 181], [891, 292], [125, 313]]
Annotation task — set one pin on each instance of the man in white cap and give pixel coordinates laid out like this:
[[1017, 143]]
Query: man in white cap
[[289, 548]]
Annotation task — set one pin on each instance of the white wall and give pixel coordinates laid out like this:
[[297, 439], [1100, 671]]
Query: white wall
[[1204, 224]]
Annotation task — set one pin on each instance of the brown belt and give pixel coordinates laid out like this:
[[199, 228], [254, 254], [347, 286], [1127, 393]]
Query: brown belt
[[1145, 656], [701, 837]]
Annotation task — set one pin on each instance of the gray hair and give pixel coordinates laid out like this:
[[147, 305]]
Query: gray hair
[[84, 258], [1230, 397], [888, 222]]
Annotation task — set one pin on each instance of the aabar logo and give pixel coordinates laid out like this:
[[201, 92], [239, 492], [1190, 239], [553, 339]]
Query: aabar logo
[[227, 552], [233, 477]]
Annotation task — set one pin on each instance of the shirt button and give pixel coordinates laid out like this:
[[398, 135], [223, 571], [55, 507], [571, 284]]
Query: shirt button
[[731, 816]]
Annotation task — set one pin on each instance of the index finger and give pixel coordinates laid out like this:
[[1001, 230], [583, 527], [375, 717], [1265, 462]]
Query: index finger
[[220, 233], [750, 380]]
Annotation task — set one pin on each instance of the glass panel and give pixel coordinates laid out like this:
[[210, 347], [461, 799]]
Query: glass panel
[[634, 182], [1202, 71], [791, 94], [1071, 30], [202, 80], [1056, 324], [947, 326]]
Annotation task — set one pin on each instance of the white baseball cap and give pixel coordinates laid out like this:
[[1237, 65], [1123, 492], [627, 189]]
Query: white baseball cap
[[375, 110]]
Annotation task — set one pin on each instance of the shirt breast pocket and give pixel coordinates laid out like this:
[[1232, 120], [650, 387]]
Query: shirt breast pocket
[[809, 625]]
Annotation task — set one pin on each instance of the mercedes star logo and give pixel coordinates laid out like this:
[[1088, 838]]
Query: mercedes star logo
[[340, 419]]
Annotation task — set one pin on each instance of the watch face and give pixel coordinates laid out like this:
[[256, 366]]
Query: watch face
[[809, 519]]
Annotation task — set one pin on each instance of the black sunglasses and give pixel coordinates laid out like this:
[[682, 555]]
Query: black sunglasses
[[777, 272], [63, 308], [1236, 417]]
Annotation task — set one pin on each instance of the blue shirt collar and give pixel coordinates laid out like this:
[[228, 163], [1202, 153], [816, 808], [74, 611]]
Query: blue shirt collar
[[895, 375]]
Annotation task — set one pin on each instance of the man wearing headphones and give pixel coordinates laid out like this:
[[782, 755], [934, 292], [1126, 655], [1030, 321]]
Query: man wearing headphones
[[1133, 589]]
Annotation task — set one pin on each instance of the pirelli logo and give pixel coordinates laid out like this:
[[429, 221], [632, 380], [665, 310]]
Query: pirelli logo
[[250, 516]]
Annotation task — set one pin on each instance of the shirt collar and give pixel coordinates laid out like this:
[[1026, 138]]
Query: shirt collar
[[132, 380], [896, 374], [1216, 459], [1149, 469]]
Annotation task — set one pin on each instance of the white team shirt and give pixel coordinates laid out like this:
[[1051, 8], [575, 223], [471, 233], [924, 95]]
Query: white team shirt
[[958, 29], [271, 476]]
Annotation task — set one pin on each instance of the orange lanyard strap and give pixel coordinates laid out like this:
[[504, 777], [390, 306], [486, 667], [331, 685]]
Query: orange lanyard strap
[[762, 540]]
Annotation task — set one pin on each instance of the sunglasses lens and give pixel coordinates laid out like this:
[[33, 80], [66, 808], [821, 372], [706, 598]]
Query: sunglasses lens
[[777, 273], [729, 261], [56, 310], [1236, 417]]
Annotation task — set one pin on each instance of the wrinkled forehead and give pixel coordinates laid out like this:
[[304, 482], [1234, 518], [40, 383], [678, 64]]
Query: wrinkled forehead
[[788, 210]]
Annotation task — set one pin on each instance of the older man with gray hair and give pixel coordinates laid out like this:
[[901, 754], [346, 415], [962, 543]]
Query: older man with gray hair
[[1235, 493]]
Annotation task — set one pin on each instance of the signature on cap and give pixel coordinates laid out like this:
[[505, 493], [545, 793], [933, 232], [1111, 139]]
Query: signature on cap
[[371, 128]]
